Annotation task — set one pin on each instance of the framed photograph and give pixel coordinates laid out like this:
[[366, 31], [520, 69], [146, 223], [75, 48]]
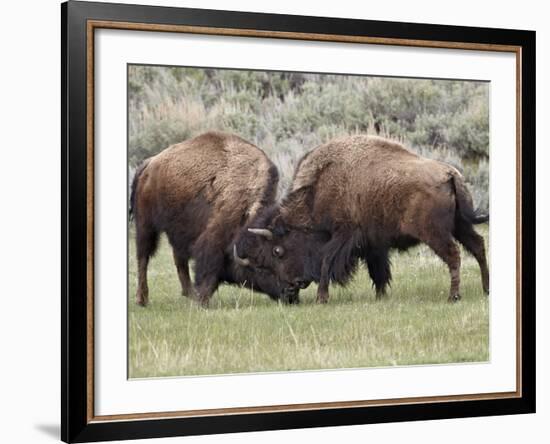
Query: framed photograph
[[275, 221]]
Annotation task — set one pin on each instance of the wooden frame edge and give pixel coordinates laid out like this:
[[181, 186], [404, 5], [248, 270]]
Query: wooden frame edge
[[95, 24], [519, 244], [283, 408], [236, 32], [90, 254]]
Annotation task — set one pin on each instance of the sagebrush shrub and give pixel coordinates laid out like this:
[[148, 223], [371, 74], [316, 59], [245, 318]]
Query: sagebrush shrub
[[288, 114]]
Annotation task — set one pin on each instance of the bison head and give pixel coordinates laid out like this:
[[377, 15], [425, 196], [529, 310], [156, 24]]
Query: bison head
[[263, 280], [271, 247]]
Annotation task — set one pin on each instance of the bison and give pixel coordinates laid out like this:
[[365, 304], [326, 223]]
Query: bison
[[200, 193], [355, 199]]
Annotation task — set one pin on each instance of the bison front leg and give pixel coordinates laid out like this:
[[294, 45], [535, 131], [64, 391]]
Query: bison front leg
[[322, 289], [206, 283], [182, 265], [205, 290], [208, 269], [378, 264]]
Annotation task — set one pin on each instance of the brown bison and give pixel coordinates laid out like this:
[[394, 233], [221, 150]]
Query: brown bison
[[200, 193], [356, 198]]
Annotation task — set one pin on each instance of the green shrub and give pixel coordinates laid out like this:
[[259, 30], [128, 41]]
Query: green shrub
[[288, 114]]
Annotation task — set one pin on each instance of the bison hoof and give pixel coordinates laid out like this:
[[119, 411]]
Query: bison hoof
[[142, 302], [322, 299], [203, 302], [188, 292], [292, 301], [454, 298]]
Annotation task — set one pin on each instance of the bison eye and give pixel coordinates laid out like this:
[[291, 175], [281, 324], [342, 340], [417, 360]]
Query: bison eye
[[278, 251]]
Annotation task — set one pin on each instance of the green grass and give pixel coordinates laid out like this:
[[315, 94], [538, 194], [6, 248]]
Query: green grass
[[244, 331]]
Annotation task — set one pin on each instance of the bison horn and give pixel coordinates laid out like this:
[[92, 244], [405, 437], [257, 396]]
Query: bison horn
[[262, 232], [240, 260]]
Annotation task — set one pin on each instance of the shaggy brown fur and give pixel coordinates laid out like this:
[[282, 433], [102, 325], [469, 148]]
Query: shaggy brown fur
[[356, 198], [200, 192]]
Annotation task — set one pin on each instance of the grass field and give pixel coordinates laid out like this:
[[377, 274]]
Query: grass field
[[244, 331]]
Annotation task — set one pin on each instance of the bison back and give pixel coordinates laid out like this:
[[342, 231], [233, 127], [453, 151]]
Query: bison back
[[211, 182], [368, 183]]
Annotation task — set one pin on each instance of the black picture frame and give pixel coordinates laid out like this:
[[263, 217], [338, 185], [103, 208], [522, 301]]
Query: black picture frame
[[76, 423]]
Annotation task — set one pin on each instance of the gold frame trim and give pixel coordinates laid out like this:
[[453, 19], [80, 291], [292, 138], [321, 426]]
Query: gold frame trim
[[96, 24]]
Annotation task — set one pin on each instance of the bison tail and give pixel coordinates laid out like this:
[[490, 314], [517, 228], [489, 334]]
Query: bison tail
[[464, 202], [133, 189]]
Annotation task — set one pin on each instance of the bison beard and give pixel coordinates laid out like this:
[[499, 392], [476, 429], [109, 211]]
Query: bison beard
[[355, 199], [200, 193]]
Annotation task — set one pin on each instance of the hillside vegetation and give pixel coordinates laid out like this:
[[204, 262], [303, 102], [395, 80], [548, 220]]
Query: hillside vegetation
[[288, 114]]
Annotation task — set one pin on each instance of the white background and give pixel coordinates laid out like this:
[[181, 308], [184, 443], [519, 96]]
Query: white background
[[116, 395], [29, 184]]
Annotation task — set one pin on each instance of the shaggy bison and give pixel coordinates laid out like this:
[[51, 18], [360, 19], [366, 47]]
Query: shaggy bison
[[200, 193], [356, 198]]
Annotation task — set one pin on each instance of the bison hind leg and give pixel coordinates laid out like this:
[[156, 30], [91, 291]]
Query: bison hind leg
[[146, 244], [379, 266], [434, 225], [474, 244], [447, 249]]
